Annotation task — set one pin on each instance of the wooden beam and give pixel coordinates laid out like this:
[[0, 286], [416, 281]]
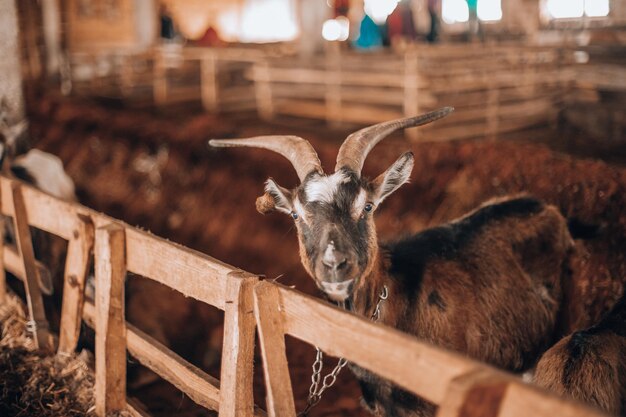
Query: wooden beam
[[110, 326], [37, 316], [209, 83], [478, 393], [325, 326], [76, 270], [236, 394], [187, 271], [269, 318], [3, 278], [200, 387]]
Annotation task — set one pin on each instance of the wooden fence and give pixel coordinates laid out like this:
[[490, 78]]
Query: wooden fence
[[496, 89], [119, 248], [169, 74], [460, 386]]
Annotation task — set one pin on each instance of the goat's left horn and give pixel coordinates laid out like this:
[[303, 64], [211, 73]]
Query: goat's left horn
[[358, 145], [296, 149]]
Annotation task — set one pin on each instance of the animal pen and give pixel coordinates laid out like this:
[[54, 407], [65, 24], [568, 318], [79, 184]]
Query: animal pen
[[459, 386], [500, 91]]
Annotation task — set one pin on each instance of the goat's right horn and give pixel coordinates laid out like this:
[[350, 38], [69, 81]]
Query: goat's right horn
[[358, 145], [296, 149]]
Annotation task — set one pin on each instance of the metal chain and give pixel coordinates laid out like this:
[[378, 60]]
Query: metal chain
[[315, 391]]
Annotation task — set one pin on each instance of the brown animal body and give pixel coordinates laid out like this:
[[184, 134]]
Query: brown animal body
[[590, 365], [488, 285]]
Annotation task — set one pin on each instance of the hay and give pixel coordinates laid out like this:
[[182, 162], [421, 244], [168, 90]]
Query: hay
[[33, 383]]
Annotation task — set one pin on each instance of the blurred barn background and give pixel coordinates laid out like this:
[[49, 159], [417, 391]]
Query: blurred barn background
[[127, 93]]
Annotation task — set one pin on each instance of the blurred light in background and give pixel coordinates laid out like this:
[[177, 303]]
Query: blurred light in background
[[563, 9], [489, 10], [378, 10], [597, 8], [268, 21], [336, 29], [559, 9], [456, 11], [453, 11]]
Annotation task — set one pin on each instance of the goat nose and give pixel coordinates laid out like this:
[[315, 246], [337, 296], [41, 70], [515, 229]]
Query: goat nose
[[334, 259], [336, 263]]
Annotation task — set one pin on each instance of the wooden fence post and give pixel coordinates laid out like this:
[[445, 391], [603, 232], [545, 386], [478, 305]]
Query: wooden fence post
[[110, 266], [76, 270], [269, 318], [209, 82], [236, 396], [411, 83], [159, 87], [37, 316], [3, 277], [478, 393], [263, 90]]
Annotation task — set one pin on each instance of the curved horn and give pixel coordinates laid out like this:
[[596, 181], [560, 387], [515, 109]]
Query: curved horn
[[296, 149], [355, 148]]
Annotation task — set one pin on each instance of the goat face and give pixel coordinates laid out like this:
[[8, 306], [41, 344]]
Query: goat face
[[333, 213], [334, 218]]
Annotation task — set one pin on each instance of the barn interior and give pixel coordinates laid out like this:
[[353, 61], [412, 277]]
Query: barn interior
[[127, 94]]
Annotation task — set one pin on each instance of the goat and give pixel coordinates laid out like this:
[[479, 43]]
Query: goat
[[487, 285], [590, 365], [45, 172]]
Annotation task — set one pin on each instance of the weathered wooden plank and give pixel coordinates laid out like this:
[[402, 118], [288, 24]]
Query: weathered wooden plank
[[478, 393], [110, 325], [3, 278], [189, 272], [522, 400], [42, 210], [37, 316], [269, 318], [199, 386], [76, 270], [236, 396], [209, 83], [133, 407], [324, 326]]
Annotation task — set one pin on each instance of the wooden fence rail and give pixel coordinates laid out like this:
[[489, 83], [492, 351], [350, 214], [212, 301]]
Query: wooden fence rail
[[120, 248], [458, 385], [495, 89], [454, 383]]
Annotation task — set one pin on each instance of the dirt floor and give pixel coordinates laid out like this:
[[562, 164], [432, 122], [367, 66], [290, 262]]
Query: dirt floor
[[155, 170]]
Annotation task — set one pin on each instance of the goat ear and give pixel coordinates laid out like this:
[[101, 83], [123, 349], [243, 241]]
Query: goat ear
[[396, 175], [275, 198]]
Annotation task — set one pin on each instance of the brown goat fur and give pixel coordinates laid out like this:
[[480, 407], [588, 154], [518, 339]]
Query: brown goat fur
[[590, 365], [501, 278]]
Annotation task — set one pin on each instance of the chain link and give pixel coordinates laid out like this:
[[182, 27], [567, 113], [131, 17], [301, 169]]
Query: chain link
[[315, 391]]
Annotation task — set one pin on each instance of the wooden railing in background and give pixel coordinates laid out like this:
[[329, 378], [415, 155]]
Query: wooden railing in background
[[120, 248], [458, 385], [170, 74], [496, 89]]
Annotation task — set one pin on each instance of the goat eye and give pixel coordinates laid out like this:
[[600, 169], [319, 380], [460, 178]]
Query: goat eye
[[294, 215], [368, 207]]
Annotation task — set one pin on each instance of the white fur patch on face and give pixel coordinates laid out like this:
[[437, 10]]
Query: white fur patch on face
[[323, 189], [359, 204]]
